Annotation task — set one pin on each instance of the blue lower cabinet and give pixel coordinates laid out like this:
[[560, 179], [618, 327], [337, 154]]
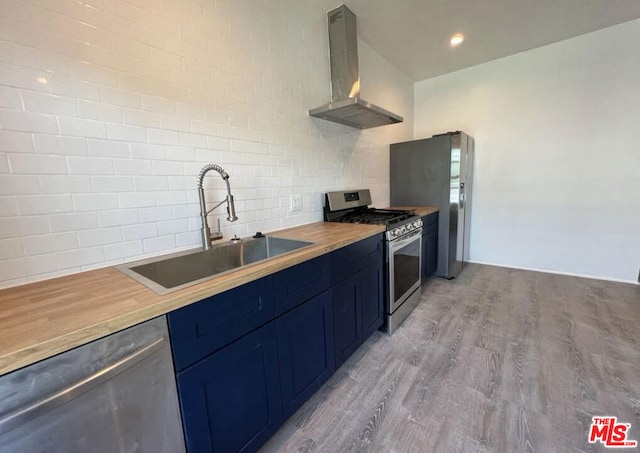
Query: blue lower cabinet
[[231, 400], [305, 351], [347, 317], [372, 294]]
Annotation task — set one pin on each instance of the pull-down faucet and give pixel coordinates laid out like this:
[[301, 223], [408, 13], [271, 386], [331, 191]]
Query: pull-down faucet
[[231, 209]]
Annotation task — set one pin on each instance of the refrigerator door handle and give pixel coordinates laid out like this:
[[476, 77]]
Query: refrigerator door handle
[[461, 195]]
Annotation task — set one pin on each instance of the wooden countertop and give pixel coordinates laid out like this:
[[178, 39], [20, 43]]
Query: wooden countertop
[[39, 320], [419, 210]]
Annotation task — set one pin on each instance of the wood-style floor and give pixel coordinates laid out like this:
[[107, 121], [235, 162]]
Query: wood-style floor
[[498, 360]]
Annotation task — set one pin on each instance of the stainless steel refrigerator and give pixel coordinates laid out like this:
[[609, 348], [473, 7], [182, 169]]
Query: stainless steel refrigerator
[[438, 171]]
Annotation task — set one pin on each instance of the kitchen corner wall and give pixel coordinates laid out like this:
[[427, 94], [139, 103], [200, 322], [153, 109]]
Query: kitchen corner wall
[[109, 109], [557, 176]]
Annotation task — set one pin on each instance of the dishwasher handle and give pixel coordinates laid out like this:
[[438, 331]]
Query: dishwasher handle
[[27, 413]]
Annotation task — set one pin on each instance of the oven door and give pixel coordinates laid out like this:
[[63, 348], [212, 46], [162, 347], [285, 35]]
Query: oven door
[[405, 267]]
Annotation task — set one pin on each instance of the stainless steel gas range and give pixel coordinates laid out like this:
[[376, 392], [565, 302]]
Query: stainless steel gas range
[[403, 248]]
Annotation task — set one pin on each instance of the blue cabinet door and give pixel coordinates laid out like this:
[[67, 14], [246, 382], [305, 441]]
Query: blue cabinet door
[[347, 317], [429, 244], [372, 296], [231, 400], [305, 351]]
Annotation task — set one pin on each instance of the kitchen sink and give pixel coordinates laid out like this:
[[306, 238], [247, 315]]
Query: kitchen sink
[[175, 271]]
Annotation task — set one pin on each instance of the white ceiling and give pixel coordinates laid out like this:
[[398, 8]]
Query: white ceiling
[[414, 34]]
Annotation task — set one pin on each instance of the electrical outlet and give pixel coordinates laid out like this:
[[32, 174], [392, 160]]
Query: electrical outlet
[[296, 203]]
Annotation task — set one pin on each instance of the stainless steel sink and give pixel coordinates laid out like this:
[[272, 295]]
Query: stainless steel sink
[[178, 270]]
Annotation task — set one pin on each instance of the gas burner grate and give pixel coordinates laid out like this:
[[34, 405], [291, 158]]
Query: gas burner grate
[[375, 217]]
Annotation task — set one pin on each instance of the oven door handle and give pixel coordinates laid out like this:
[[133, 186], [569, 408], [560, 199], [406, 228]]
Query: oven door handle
[[399, 243]]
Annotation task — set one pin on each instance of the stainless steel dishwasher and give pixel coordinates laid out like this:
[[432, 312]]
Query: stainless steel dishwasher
[[116, 394]]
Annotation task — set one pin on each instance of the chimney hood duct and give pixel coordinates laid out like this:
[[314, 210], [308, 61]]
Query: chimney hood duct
[[346, 107]]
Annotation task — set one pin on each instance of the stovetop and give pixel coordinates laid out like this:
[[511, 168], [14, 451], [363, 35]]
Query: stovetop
[[352, 207], [387, 217]]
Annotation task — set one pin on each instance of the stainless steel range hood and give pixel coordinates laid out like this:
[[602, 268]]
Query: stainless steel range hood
[[346, 107]]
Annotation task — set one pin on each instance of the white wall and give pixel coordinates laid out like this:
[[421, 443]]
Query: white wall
[[557, 129], [109, 108]]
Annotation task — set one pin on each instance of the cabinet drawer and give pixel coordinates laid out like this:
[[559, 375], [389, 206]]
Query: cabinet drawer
[[206, 326], [352, 258], [299, 283]]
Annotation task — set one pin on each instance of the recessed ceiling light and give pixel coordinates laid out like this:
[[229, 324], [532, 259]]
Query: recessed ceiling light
[[457, 39]]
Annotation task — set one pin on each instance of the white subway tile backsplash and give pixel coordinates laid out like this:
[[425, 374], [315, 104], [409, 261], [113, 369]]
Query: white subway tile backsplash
[[94, 73], [100, 236], [79, 257], [57, 144], [4, 164], [159, 244], [15, 120], [190, 238], [99, 111], [187, 139], [36, 245], [160, 167], [19, 185], [136, 200], [76, 221], [163, 137], [16, 32], [20, 77], [109, 110], [170, 197], [94, 201], [122, 98], [173, 227], [132, 167], [82, 128], [36, 164], [65, 184], [44, 204], [90, 166], [113, 184], [180, 153], [108, 148], [11, 248], [36, 101], [140, 231], [16, 142], [118, 217], [27, 266], [123, 250], [8, 207], [158, 105], [155, 214], [141, 118], [10, 98], [126, 133], [151, 183], [29, 57], [68, 86]]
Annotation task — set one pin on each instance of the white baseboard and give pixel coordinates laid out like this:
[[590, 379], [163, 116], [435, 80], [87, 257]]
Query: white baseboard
[[548, 271]]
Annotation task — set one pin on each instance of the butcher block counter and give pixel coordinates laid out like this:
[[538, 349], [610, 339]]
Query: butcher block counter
[[39, 320], [418, 210]]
